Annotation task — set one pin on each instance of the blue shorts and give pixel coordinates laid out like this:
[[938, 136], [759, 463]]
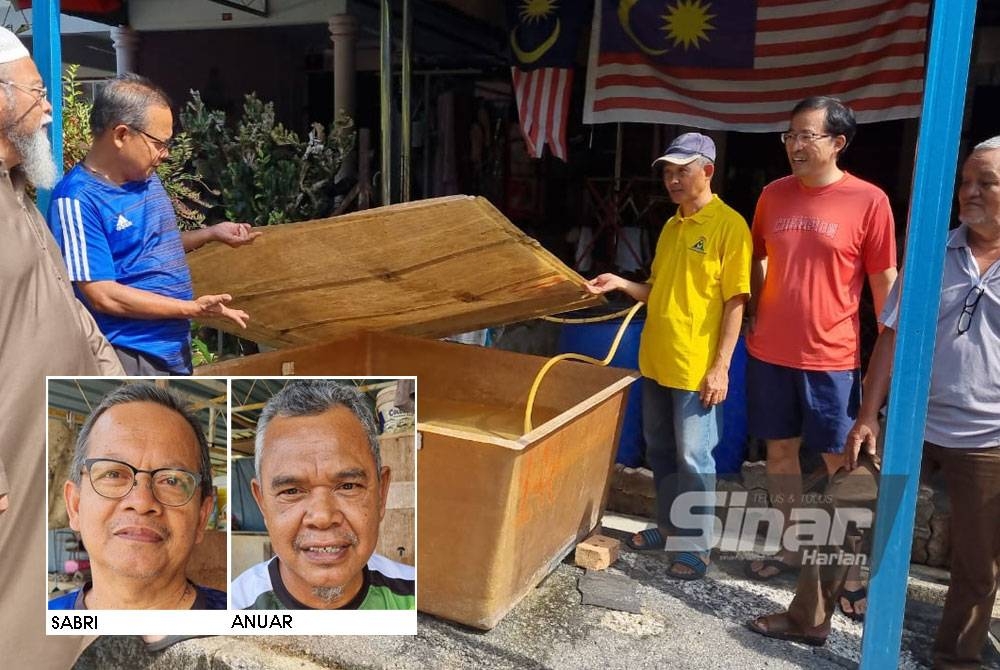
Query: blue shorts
[[818, 406]]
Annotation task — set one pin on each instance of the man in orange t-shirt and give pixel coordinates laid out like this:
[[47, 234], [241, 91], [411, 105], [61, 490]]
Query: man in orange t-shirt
[[818, 234]]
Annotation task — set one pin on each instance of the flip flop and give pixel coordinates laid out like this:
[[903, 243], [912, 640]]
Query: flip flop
[[691, 560], [169, 641], [781, 627], [652, 540], [778, 565], [852, 597]]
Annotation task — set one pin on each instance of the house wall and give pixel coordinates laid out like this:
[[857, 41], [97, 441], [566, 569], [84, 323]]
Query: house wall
[[283, 66], [202, 15]]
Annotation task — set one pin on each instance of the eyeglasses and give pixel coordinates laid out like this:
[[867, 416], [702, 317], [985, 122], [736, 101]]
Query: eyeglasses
[[116, 479], [158, 144], [804, 138], [38, 92], [971, 302]]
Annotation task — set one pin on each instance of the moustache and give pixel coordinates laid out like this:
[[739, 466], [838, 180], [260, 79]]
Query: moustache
[[303, 542], [158, 528]]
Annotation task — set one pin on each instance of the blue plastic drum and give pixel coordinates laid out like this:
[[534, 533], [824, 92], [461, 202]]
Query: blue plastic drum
[[594, 339], [732, 449]]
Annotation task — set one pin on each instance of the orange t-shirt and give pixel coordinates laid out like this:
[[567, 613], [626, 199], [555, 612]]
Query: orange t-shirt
[[820, 245]]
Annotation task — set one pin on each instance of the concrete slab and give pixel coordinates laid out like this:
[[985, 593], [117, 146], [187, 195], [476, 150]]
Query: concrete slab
[[683, 625], [680, 625], [609, 590]]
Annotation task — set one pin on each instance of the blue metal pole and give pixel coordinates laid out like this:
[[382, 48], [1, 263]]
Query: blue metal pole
[[930, 211], [48, 57]]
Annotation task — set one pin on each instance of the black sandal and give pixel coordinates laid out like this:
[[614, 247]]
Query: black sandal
[[852, 597], [781, 627]]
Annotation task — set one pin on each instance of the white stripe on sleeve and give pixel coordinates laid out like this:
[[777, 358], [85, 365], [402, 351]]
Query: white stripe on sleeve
[[67, 248], [83, 242]]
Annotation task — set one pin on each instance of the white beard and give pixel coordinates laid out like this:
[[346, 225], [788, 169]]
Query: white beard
[[36, 157]]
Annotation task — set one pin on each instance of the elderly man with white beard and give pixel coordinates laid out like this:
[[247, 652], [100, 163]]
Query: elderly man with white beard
[[43, 331]]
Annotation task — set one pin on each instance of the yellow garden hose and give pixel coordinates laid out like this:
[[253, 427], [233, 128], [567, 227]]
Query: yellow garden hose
[[578, 357], [593, 319]]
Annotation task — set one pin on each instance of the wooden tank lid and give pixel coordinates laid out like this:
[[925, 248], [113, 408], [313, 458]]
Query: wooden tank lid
[[428, 268]]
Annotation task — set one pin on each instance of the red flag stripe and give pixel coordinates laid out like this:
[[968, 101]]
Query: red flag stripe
[[531, 120], [877, 44], [561, 113], [767, 94], [521, 83], [776, 8], [541, 110], [709, 79], [862, 15], [534, 110], [779, 8], [543, 106], [877, 41], [752, 105], [545, 111], [909, 23]]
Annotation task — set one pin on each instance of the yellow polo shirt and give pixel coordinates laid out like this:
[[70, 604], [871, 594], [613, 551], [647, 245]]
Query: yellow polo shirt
[[701, 262]]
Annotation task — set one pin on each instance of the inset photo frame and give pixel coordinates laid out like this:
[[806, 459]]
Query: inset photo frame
[[137, 513], [324, 494]]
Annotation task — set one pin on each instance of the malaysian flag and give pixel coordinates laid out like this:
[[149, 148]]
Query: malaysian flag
[[742, 65], [544, 36]]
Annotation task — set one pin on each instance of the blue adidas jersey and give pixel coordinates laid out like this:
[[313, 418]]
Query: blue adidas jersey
[[126, 234]]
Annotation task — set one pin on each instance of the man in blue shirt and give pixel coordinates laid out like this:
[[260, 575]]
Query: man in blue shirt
[[118, 233]]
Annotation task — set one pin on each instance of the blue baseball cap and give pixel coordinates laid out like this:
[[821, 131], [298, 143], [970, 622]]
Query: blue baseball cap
[[688, 147]]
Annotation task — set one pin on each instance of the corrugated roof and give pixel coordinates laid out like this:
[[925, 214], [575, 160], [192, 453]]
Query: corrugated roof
[[207, 397]]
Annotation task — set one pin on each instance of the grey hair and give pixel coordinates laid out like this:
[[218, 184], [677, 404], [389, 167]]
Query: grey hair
[[699, 162], [988, 145], [144, 392], [309, 397], [125, 100], [7, 113]]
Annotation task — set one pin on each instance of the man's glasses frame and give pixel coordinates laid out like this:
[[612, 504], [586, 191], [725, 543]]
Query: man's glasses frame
[[195, 479], [38, 92], [972, 299], [158, 144], [805, 138]]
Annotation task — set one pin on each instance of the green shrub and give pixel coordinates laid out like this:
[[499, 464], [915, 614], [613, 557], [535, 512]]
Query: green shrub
[[260, 172]]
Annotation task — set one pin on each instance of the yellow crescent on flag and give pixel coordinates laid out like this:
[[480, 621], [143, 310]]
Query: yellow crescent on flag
[[624, 10], [528, 57]]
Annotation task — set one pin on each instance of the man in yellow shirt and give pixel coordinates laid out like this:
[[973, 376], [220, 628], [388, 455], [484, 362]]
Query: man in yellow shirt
[[695, 295]]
